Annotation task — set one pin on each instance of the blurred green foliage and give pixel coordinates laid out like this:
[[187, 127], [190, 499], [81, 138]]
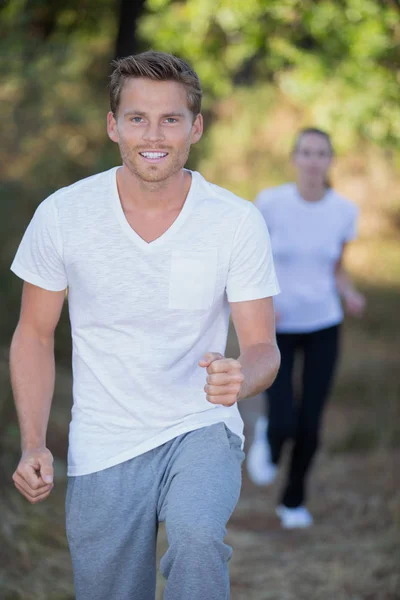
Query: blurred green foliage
[[335, 62], [54, 63], [339, 57]]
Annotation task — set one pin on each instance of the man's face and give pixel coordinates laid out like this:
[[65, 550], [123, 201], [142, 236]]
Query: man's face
[[154, 128]]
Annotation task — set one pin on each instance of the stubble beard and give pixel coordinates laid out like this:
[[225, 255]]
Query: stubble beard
[[154, 174]]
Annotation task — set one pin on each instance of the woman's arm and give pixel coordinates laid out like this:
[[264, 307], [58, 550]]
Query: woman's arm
[[354, 302]]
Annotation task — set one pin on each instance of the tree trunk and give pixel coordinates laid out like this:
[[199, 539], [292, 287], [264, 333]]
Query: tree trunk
[[129, 13]]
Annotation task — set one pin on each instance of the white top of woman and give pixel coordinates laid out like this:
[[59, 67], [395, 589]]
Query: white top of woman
[[309, 225]]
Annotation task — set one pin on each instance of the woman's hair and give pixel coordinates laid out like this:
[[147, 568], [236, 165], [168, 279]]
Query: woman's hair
[[315, 131], [157, 66]]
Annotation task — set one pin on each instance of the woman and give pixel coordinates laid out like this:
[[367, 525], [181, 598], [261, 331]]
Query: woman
[[310, 225]]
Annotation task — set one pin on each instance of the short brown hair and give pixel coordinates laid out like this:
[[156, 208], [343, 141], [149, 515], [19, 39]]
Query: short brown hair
[[158, 66]]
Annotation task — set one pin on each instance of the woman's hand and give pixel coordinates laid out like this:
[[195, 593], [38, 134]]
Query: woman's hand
[[354, 303]]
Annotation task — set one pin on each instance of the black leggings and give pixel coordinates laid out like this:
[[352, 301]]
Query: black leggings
[[300, 421]]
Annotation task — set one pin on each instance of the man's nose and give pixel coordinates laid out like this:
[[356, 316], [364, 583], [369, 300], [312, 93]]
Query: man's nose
[[153, 133]]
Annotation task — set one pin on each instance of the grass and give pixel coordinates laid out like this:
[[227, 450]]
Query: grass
[[34, 557]]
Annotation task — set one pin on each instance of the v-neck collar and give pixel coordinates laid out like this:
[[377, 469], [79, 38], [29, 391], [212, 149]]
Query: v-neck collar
[[176, 225]]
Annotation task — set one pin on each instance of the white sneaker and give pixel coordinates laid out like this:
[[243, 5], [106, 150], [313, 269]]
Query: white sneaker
[[294, 518], [259, 466]]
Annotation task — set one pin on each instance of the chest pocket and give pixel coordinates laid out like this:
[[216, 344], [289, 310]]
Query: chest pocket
[[192, 280]]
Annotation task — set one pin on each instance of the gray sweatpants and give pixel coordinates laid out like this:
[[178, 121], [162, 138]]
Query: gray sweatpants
[[193, 484]]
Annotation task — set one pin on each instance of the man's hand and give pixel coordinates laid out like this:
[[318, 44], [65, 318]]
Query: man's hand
[[34, 475], [224, 378]]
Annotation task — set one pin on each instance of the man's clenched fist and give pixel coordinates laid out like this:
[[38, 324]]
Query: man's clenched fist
[[34, 475], [224, 379]]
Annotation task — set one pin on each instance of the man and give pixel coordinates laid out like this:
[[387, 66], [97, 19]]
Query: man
[[153, 257]]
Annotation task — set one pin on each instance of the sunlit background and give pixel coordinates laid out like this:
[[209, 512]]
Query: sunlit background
[[268, 67]]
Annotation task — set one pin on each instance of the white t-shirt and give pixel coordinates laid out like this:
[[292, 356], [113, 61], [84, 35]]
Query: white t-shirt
[[143, 314], [307, 240]]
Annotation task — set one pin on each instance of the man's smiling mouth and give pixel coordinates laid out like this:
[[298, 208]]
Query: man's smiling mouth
[[153, 155]]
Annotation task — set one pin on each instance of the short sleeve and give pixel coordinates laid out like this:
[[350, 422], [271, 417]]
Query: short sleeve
[[251, 273], [39, 257], [351, 226]]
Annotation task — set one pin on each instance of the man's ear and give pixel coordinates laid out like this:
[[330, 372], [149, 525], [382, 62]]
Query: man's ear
[[197, 129], [112, 128]]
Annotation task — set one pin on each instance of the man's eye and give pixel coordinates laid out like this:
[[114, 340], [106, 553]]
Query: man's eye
[[136, 119], [171, 120]]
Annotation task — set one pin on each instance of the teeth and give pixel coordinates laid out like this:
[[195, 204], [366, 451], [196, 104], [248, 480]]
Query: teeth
[[153, 154]]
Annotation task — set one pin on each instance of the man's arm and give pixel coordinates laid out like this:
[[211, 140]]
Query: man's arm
[[231, 380], [259, 355], [32, 378]]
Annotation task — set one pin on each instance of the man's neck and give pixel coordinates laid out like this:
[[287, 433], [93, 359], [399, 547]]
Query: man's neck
[[152, 197]]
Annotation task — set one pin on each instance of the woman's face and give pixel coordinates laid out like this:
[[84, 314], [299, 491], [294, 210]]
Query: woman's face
[[312, 157]]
